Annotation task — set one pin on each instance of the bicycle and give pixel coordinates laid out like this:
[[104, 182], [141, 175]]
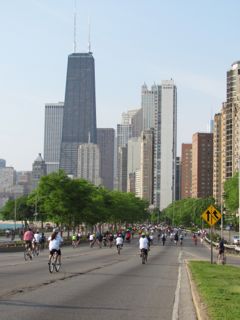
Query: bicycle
[[221, 259], [74, 244], [36, 249], [119, 247], [54, 263], [27, 253], [143, 255]]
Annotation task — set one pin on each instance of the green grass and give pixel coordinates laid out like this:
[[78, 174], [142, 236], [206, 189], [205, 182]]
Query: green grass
[[219, 289]]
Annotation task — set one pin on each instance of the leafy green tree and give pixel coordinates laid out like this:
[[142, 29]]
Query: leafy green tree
[[186, 212], [231, 193], [24, 211]]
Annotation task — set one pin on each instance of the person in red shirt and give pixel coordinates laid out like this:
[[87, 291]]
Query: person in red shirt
[[28, 237]]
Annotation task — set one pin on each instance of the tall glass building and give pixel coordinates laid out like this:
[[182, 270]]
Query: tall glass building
[[79, 116], [159, 105]]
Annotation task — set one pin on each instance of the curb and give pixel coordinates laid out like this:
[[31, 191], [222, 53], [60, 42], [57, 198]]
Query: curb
[[200, 307]]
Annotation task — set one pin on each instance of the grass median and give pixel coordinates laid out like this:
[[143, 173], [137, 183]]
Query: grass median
[[219, 289]]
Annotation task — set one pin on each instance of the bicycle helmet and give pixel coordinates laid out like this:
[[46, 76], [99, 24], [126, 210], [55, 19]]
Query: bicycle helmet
[[55, 230]]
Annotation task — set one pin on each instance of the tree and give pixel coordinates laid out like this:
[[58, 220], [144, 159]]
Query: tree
[[186, 212], [231, 193], [24, 211]]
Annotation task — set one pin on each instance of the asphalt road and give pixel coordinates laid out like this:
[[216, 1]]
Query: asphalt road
[[100, 284]]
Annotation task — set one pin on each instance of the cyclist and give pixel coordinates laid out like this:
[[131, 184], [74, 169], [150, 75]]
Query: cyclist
[[55, 241], [128, 236], [74, 240], [36, 240], [143, 244], [176, 238], [163, 239], [28, 238], [99, 238], [119, 241], [92, 239], [110, 239], [42, 240], [221, 250], [181, 239], [194, 237]]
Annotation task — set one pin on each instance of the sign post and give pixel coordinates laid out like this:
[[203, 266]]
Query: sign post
[[211, 216]]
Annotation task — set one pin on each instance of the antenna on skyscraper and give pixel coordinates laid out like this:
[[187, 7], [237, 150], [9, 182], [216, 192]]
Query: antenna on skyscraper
[[75, 27], [89, 31]]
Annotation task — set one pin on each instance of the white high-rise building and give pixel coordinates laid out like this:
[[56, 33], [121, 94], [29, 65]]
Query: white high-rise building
[[89, 163], [53, 135], [159, 107]]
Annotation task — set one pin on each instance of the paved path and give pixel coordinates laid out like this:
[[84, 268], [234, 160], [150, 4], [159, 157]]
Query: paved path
[[100, 284]]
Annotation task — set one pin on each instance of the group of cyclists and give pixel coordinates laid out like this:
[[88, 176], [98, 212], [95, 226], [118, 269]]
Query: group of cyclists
[[34, 240]]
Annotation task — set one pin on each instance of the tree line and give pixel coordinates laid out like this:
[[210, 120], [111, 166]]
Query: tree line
[[70, 202], [187, 212]]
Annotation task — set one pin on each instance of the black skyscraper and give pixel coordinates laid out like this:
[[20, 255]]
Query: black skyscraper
[[79, 117]]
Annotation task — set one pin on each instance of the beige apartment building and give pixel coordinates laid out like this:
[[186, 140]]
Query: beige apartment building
[[217, 158], [227, 134]]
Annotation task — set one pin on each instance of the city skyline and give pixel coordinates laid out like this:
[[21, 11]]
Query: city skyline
[[171, 41]]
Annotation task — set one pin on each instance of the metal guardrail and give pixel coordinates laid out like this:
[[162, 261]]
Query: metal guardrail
[[229, 247]]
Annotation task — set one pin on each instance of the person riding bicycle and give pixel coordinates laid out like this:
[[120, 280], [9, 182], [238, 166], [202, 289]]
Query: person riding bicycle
[[110, 239], [163, 239], [176, 238], [143, 244], [36, 240], [221, 248], [194, 237], [119, 241], [128, 236], [181, 239], [92, 239], [28, 238], [74, 240], [55, 241]]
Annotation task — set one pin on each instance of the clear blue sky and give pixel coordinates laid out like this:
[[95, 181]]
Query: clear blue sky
[[133, 41]]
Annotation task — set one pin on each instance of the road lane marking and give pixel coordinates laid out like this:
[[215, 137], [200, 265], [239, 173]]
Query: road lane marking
[[177, 291]]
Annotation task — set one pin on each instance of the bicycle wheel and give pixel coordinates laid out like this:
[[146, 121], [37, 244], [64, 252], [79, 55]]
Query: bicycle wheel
[[51, 264], [143, 254], [37, 250], [118, 249], [26, 255], [57, 264]]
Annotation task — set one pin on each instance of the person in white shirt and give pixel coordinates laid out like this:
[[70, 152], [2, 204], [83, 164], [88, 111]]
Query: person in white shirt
[[119, 240], [143, 243], [119, 243], [37, 237], [92, 239], [55, 241]]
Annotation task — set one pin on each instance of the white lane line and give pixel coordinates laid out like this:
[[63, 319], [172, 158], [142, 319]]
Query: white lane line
[[177, 291]]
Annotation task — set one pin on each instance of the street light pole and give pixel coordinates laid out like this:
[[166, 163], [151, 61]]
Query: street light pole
[[15, 212]]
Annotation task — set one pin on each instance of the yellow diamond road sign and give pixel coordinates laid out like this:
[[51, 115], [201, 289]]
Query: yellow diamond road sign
[[211, 215]]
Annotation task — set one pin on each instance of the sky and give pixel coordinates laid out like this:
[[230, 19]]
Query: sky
[[133, 41]]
